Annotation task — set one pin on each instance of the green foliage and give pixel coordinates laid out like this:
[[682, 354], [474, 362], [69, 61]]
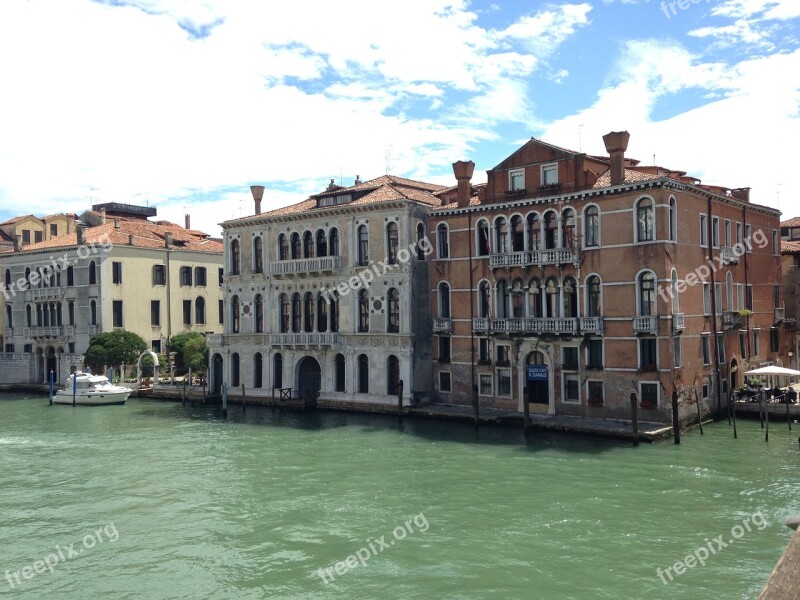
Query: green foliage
[[113, 348], [183, 360], [195, 355], [147, 365]]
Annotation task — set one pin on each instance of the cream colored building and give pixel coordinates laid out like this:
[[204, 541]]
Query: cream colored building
[[117, 270]]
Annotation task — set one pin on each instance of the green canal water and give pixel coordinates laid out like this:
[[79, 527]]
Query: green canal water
[[162, 501]]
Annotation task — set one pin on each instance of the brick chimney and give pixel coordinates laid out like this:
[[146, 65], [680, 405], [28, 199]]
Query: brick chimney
[[168, 240], [258, 194], [187, 221], [116, 223], [742, 194], [616, 144], [463, 172], [130, 239], [17, 243], [102, 216], [81, 231]]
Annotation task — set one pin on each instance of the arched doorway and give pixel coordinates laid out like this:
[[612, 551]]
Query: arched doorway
[[537, 379], [216, 375], [309, 377], [52, 365]]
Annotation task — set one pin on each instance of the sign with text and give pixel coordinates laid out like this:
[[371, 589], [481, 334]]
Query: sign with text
[[536, 372]]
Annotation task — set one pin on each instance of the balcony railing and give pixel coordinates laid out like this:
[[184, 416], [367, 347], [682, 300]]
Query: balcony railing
[[442, 325], [591, 324], [305, 339], [528, 325], [728, 255], [513, 259], [303, 266], [215, 339], [8, 332], [645, 324], [54, 331], [555, 256], [678, 322], [552, 256], [733, 320], [48, 293], [780, 314], [93, 329]]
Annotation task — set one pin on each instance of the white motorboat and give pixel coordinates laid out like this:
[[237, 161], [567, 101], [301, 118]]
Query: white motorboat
[[91, 390]]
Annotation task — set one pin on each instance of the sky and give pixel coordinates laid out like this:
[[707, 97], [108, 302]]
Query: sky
[[183, 105]]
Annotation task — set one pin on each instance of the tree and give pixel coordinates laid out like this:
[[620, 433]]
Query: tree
[[113, 348], [195, 354], [177, 344]]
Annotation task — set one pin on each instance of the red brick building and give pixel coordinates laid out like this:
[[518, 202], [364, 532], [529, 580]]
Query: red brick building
[[614, 277]]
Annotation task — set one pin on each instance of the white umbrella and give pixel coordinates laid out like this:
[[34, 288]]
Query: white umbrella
[[772, 371]]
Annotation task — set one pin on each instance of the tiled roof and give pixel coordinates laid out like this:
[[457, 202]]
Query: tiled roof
[[17, 219], [793, 222], [631, 176], [790, 247], [474, 201]]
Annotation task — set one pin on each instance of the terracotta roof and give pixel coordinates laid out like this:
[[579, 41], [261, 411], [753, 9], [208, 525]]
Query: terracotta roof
[[793, 222], [17, 219], [474, 201], [631, 176], [790, 247], [54, 215]]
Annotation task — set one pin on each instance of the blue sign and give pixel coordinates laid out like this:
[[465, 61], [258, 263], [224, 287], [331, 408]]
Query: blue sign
[[537, 372]]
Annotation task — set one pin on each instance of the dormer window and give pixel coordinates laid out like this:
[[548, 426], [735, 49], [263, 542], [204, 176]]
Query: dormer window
[[549, 174], [334, 200], [517, 180]]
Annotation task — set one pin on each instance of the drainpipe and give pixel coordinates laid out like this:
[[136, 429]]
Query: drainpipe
[[713, 294]]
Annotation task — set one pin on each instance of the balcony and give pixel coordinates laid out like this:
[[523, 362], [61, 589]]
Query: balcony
[[48, 293], [442, 325], [8, 332], [591, 325], [678, 322], [780, 314], [728, 255], [305, 339], [526, 326], [733, 320], [480, 325], [305, 266], [513, 259], [93, 329], [552, 256], [43, 333], [645, 325], [513, 194], [215, 339]]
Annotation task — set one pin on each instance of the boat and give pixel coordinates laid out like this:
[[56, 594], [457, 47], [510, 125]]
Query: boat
[[91, 390]]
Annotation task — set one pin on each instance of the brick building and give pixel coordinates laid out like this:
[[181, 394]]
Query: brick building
[[790, 262]]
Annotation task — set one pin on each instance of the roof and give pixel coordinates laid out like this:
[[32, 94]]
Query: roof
[[631, 176], [793, 222], [18, 219], [790, 247]]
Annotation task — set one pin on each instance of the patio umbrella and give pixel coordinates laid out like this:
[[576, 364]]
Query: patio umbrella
[[772, 371]]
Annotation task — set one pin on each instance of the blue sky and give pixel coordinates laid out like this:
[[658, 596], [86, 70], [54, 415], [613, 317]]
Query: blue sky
[[183, 105]]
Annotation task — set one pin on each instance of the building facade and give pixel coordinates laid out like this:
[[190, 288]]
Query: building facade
[[581, 280], [116, 270], [790, 261], [330, 296]]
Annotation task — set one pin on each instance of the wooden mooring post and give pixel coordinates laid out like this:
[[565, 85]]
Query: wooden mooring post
[[761, 407], [225, 400], [527, 409], [734, 419], [204, 391], [766, 421], [244, 401], [699, 412], [635, 419], [476, 405], [183, 395], [676, 420], [788, 412], [400, 400], [51, 389]]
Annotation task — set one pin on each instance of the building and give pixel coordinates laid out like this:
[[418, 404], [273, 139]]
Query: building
[[330, 296], [790, 261], [115, 269], [596, 278]]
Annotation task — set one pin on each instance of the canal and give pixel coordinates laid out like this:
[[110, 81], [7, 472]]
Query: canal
[[154, 500]]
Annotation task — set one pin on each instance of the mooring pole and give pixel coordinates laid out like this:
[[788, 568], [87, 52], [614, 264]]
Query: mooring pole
[[183, 399], [74, 386], [204, 392], [734, 420], [635, 419], [766, 420], [51, 388], [761, 407], [244, 403], [788, 414], [527, 409], [225, 400], [676, 420], [699, 413], [400, 400]]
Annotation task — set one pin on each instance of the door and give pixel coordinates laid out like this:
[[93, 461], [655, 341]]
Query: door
[[309, 377]]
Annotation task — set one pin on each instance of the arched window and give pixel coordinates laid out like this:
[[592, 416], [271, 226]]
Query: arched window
[[517, 234], [28, 276], [535, 358], [92, 273], [28, 315], [322, 313], [550, 229], [500, 236], [258, 370], [392, 243], [235, 258], [308, 245], [9, 316], [729, 291], [443, 241], [259, 313], [645, 221], [393, 322], [444, 300], [71, 312], [235, 310], [8, 278], [335, 311], [258, 255], [647, 294], [673, 220], [339, 373], [283, 247], [363, 311], [40, 315], [277, 370], [363, 245], [296, 246], [235, 382], [535, 299], [534, 231], [363, 374], [71, 276], [392, 375], [551, 298], [674, 291], [501, 300], [421, 242], [591, 227], [200, 311], [483, 299], [333, 242], [568, 228], [517, 299], [322, 243], [593, 299], [285, 313], [482, 229], [297, 313], [308, 303], [570, 295], [93, 313]]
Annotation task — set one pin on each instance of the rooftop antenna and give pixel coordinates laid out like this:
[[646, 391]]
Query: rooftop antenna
[[388, 157], [91, 195], [654, 159]]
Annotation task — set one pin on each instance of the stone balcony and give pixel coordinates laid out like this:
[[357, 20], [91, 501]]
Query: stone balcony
[[48, 293], [305, 266], [45, 333], [553, 256], [532, 326], [780, 314], [648, 324], [305, 339], [728, 255], [442, 325], [733, 320], [678, 322]]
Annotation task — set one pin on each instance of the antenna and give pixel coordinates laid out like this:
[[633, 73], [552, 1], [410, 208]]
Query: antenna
[[654, 159], [388, 158]]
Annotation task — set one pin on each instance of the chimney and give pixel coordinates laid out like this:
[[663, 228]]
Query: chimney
[[102, 216], [258, 194], [463, 172], [130, 239], [616, 145], [116, 223], [17, 243], [742, 194], [331, 185], [187, 221], [168, 240], [81, 230], [358, 180]]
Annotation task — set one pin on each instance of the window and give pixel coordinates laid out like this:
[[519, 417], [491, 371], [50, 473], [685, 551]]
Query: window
[[258, 256], [421, 242], [9, 316], [71, 312], [444, 382], [259, 316], [363, 374], [53, 229], [308, 303], [706, 298], [444, 349], [501, 236], [363, 245], [235, 314], [297, 313], [774, 341], [482, 229], [673, 220], [647, 354], [392, 243], [776, 296], [37, 236], [220, 276], [221, 308], [721, 347], [550, 230], [647, 294], [444, 300], [748, 234], [322, 313], [10, 348], [393, 325], [200, 276], [308, 245], [117, 313], [776, 246], [200, 311], [743, 344], [333, 242], [485, 385], [186, 276], [715, 232], [284, 304], [28, 316], [155, 346], [591, 227], [568, 228], [297, 248], [534, 231], [727, 232], [155, 313], [322, 243], [503, 355], [277, 370], [749, 296], [705, 390], [571, 388], [645, 220], [739, 234], [8, 277], [187, 312], [159, 275], [258, 370], [92, 313], [363, 311], [283, 247], [442, 241], [704, 231], [26, 236], [595, 391], [92, 273], [676, 350], [70, 276], [335, 311], [235, 258], [569, 357], [517, 234], [339, 364], [484, 354], [503, 382], [649, 394], [595, 353], [549, 174], [235, 370], [392, 375], [516, 180], [705, 348]]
